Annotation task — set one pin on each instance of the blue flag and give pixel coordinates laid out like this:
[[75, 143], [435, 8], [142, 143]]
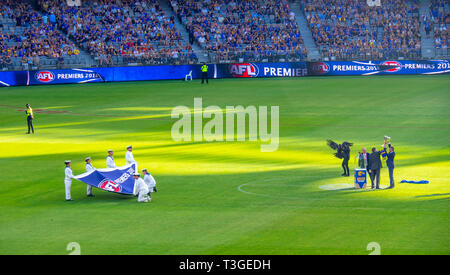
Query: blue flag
[[118, 180]]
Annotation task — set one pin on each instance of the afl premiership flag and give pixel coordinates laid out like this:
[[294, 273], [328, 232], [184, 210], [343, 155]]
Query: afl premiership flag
[[118, 180]]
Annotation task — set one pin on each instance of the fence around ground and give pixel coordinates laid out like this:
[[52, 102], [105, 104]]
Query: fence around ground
[[233, 70]]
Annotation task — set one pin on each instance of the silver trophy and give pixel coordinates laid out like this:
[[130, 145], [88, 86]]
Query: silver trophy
[[387, 140]]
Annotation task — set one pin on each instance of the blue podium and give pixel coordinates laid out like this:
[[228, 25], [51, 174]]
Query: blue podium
[[360, 178]]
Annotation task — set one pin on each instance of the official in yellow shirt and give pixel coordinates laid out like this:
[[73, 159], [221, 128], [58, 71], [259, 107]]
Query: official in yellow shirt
[[30, 118], [204, 69]]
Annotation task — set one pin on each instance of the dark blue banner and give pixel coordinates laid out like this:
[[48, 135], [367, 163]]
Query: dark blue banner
[[117, 180], [379, 67], [233, 70], [249, 70]]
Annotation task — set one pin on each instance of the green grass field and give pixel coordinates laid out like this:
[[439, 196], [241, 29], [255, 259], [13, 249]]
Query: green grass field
[[228, 197]]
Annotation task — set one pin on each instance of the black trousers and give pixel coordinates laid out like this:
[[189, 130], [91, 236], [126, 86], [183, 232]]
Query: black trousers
[[375, 174], [205, 76], [345, 166], [30, 124], [391, 176]]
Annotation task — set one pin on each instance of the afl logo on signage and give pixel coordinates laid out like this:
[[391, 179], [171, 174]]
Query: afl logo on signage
[[394, 66], [321, 68], [244, 70], [110, 185], [45, 76]]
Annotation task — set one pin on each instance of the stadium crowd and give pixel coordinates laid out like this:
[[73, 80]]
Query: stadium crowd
[[348, 29], [140, 32], [31, 38], [440, 20], [250, 29], [129, 31]]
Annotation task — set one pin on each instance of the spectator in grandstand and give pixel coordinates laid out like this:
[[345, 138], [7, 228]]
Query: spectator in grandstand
[[36, 61], [25, 62], [45, 19], [60, 61], [52, 18], [6, 62]]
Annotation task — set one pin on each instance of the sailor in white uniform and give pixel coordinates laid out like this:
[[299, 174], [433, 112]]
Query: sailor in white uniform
[[110, 160], [129, 156], [68, 179], [149, 180], [89, 168], [140, 189]]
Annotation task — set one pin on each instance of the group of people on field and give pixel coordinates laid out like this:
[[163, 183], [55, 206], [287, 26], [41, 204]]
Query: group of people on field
[[369, 161], [372, 163], [142, 187]]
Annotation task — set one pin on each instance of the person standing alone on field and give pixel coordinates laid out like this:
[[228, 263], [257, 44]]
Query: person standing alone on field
[[30, 118], [204, 69]]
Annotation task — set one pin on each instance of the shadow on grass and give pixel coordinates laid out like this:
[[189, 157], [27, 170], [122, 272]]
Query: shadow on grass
[[432, 195]]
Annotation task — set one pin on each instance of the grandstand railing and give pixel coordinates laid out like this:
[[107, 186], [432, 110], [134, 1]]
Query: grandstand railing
[[373, 55], [255, 56], [70, 62]]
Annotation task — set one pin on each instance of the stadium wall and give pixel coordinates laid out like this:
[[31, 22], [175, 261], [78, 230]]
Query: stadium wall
[[235, 70]]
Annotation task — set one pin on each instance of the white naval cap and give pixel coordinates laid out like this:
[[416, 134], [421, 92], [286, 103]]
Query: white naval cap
[[129, 146], [67, 161], [88, 158], [110, 150], [136, 174]]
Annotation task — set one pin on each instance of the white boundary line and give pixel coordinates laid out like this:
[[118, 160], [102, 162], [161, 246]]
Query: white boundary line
[[6, 84], [240, 189]]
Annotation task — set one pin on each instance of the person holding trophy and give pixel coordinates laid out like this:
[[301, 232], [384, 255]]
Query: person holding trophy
[[390, 161]]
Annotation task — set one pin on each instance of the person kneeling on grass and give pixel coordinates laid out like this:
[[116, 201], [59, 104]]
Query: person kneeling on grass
[[149, 180], [140, 189]]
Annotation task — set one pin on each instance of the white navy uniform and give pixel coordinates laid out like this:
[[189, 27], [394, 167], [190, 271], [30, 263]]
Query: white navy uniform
[[130, 159], [110, 162], [89, 168], [150, 181], [68, 181], [141, 190]]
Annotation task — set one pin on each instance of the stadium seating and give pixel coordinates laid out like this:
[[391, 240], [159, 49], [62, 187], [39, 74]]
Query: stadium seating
[[127, 33], [50, 33], [27, 42], [350, 29], [440, 18], [251, 30]]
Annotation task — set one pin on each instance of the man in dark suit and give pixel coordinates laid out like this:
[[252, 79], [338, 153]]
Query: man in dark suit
[[390, 165], [375, 166]]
